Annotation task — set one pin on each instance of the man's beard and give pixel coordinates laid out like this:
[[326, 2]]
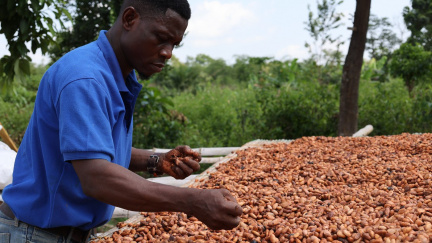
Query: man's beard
[[143, 76]]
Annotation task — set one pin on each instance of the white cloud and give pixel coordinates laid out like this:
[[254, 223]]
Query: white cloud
[[214, 19]]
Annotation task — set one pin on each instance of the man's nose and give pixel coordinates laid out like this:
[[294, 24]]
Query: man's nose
[[166, 52]]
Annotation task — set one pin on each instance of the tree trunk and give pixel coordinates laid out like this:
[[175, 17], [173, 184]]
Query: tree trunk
[[348, 109]]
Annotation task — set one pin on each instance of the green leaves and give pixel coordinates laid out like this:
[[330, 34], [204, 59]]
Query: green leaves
[[418, 20], [381, 40], [320, 29], [24, 27], [153, 121], [21, 69], [327, 19], [412, 63], [26, 22], [90, 17]]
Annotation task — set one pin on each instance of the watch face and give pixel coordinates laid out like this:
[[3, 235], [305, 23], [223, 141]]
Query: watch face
[[152, 165]]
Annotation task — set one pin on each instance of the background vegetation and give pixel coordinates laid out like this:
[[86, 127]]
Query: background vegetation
[[205, 102], [193, 104]]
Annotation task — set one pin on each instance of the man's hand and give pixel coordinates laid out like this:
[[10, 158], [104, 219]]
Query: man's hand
[[180, 162], [218, 209]]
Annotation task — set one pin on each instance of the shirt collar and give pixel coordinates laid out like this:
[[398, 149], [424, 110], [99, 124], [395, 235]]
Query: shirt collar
[[113, 64]]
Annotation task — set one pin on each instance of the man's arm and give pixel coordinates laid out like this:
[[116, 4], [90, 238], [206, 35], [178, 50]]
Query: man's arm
[[179, 163], [115, 185], [139, 159]]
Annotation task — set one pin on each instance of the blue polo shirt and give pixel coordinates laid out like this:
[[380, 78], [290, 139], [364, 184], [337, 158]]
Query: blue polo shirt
[[83, 110]]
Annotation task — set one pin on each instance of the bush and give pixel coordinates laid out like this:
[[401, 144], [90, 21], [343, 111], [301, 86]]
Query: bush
[[155, 125], [219, 117], [421, 115], [16, 105], [277, 100], [306, 109], [387, 106], [15, 118]]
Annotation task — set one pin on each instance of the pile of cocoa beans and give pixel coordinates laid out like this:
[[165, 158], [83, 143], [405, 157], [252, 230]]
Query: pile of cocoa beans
[[314, 189]]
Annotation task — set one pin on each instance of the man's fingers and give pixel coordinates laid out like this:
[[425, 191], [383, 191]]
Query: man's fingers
[[227, 195], [195, 155], [238, 210], [236, 222], [234, 209], [183, 149], [172, 154], [179, 173], [186, 151], [229, 223], [185, 168], [192, 164]]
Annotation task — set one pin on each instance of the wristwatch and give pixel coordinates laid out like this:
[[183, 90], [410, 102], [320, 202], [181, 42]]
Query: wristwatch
[[152, 165]]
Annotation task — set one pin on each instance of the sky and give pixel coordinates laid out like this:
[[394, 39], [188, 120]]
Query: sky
[[260, 28]]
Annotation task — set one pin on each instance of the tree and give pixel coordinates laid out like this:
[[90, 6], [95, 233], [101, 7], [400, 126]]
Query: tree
[[115, 9], [381, 40], [418, 20], [24, 21], [348, 108], [320, 27], [323, 54], [412, 63], [90, 17]]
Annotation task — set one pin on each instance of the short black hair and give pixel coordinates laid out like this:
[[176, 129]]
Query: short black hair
[[159, 6]]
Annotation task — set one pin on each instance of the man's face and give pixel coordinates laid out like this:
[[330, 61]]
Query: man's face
[[149, 44]]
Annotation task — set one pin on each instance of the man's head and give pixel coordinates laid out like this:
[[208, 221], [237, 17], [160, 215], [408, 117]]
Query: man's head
[[146, 33], [159, 7]]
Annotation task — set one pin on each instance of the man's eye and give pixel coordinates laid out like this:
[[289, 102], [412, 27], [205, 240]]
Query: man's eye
[[162, 39]]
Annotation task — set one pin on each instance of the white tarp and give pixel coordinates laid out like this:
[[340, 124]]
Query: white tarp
[[7, 160]]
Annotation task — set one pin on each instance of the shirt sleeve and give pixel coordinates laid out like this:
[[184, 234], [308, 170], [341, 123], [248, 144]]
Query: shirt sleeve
[[85, 131]]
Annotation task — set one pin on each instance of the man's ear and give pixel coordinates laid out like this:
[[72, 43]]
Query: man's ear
[[130, 17]]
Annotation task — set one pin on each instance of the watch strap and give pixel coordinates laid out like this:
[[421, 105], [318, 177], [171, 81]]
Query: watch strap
[[152, 165]]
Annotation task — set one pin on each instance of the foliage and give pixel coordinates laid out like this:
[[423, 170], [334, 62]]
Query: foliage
[[325, 51], [16, 106], [24, 21], [418, 20], [421, 115], [412, 63], [89, 18], [155, 125], [227, 117], [320, 28], [381, 40], [193, 74], [387, 106], [219, 117], [115, 9], [307, 109], [277, 100], [374, 70]]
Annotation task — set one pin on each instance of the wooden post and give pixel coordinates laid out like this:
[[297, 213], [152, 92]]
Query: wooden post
[[5, 137]]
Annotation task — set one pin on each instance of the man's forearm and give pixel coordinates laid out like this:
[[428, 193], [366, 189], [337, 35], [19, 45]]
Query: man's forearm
[[139, 158], [112, 184], [115, 185]]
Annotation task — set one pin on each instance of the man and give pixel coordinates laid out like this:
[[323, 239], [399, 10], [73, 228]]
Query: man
[[76, 160]]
